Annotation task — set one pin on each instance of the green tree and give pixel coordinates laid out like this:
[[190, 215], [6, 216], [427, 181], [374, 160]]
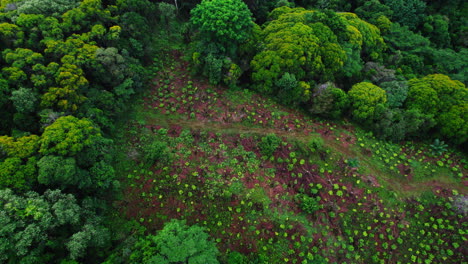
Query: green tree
[[308, 51], [46, 7], [223, 26], [365, 99], [328, 101], [24, 100], [227, 22], [60, 172], [18, 162], [397, 91], [372, 10], [45, 228], [446, 99], [436, 28], [176, 243], [68, 136], [68, 96], [407, 12]]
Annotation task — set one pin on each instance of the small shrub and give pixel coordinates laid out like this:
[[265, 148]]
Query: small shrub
[[309, 204], [269, 144], [315, 143], [156, 151], [353, 162]]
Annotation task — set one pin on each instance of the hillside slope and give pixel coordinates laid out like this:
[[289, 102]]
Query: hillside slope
[[277, 186]]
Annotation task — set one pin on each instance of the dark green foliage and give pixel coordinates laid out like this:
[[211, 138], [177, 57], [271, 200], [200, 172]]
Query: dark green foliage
[[398, 124], [397, 91], [223, 26], [438, 147], [329, 101], [269, 144], [452, 63], [227, 22], [213, 68], [372, 10], [288, 88], [436, 28], [35, 225], [156, 151], [60, 172], [407, 12], [24, 100], [353, 162], [176, 243], [237, 258]]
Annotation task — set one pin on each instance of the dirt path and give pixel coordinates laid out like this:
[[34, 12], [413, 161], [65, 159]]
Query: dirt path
[[399, 185]]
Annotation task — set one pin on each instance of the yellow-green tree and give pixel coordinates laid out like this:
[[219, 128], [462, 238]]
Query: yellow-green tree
[[298, 43], [365, 99], [68, 136], [446, 99], [68, 96], [18, 162]]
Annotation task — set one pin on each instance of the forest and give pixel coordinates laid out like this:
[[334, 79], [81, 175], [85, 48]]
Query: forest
[[230, 131]]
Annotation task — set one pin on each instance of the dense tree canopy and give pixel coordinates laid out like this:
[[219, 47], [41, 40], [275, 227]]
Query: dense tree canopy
[[35, 225], [176, 243], [72, 69]]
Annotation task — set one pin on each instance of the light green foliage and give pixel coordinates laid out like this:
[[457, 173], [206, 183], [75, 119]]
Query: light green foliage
[[68, 96], [14, 75], [67, 136], [176, 243], [290, 49], [372, 42], [10, 34], [269, 144], [20, 58], [35, 225], [18, 169], [233, 75], [445, 98], [365, 97], [24, 100], [46, 7], [23, 147], [16, 174], [313, 46]]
